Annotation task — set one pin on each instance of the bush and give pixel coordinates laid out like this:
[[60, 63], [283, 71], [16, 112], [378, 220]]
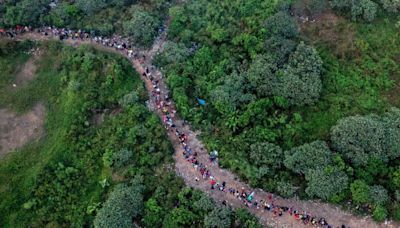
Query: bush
[[378, 195], [360, 139], [268, 156], [220, 217], [285, 189], [301, 80], [91, 6], [122, 158], [124, 203], [380, 213], [360, 192], [392, 6], [325, 183], [307, 157], [142, 27], [173, 53], [261, 75]]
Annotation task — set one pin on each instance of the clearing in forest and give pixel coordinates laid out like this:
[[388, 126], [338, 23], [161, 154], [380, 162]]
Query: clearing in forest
[[17, 130]]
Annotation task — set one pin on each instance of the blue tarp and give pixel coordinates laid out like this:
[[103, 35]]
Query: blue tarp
[[201, 101]]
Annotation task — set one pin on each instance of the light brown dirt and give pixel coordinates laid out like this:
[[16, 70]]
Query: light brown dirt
[[17, 130], [331, 30], [27, 72]]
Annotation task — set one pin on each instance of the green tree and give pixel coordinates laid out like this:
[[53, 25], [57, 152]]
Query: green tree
[[129, 99], [220, 217], [142, 27], [395, 177], [392, 6], [391, 122], [124, 203], [285, 189], [282, 25], [378, 195], [380, 213], [232, 94], [360, 139], [91, 6], [173, 53], [245, 219], [122, 158], [25, 12], [359, 191], [364, 8], [280, 48], [325, 183], [312, 156], [205, 204], [267, 156], [301, 80], [179, 217], [261, 75]]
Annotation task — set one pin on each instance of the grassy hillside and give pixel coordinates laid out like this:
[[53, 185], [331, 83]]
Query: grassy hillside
[[104, 159]]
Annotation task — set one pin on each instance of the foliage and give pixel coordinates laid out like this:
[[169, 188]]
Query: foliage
[[220, 217], [142, 27], [173, 53], [365, 9], [325, 183], [285, 189], [362, 138], [261, 75], [359, 191], [124, 203], [232, 94], [379, 213], [129, 99], [311, 8], [392, 6], [91, 6], [59, 176], [378, 195], [266, 156], [301, 82], [122, 158], [315, 155]]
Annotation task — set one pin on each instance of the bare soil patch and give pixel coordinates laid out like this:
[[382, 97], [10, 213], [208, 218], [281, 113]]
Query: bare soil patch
[[27, 72], [331, 30], [17, 130]]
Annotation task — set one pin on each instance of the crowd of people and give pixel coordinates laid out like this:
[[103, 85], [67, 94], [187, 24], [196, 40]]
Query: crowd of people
[[164, 104]]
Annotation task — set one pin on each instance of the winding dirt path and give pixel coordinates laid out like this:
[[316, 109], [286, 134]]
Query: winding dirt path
[[334, 215]]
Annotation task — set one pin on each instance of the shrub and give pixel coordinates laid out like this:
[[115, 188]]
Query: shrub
[[142, 27], [380, 213], [359, 191], [325, 183], [124, 203], [310, 156]]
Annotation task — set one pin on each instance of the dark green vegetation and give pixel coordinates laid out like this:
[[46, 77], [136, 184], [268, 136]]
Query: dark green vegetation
[[85, 171], [265, 87], [366, 9], [140, 19]]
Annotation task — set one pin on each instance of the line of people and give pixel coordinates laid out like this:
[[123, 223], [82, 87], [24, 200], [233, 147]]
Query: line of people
[[164, 103], [168, 114]]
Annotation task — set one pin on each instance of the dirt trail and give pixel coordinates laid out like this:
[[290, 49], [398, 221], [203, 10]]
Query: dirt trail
[[16, 131], [333, 214]]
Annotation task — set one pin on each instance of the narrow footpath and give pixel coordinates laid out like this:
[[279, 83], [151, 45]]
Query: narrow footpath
[[142, 62]]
